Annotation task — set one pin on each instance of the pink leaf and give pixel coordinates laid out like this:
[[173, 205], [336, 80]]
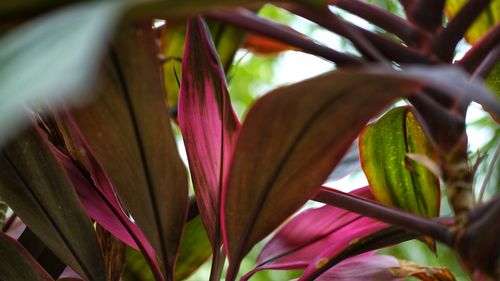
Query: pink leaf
[[207, 121], [95, 190], [320, 231]]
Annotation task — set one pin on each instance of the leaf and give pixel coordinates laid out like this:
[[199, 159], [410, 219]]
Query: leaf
[[128, 129], [207, 122], [382, 267], [48, 57], [195, 249], [289, 144], [313, 231], [94, 187], [395, 179], [17, 263], [227, 41], [265, 46], [38, 193], [488, 18], [292, 139]]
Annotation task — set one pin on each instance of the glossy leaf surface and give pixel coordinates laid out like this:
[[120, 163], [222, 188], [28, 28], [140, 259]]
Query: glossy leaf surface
[[128, 129], [34, 184], [395, 179], [208, 123], [17, 263]]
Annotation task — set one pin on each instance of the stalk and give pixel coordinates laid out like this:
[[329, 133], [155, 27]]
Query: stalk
[[383, 19], [410, 222], [444, 44], [428, 14], [481, 49], [248, 21]]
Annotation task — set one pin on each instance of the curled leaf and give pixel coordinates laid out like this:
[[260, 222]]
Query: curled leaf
[[394, 178]]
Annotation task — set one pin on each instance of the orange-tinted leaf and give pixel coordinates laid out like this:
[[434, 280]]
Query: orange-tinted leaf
[[265, 46]]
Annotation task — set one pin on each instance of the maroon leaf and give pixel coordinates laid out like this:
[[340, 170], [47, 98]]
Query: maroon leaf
[[38, 193], [315, 231], [290, 142], [128, 128], [208, 123], [95, 190], [17, 263]]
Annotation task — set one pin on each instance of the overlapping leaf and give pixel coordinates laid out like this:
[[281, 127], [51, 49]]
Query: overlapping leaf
[[128, 129], [383, 267], [33, 183], [95, 190], [293, 138], [331, 233], [208, 123], [394, 178], [487, 19], [17, 264], [227, 42]]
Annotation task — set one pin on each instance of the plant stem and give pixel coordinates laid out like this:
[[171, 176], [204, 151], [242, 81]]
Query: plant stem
[[428, 14], [488, 174], [244, 19], [330, 21], [385, 214], [443, 45], [381, 18], [218, 260], [485, 68], [481, 49]]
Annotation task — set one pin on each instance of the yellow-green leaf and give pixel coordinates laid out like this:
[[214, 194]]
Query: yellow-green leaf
[[483, 23], [394, 178]]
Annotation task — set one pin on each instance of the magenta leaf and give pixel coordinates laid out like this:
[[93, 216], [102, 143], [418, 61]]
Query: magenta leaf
[[208, 123], [95, 190], [363, 268], [319, 230]]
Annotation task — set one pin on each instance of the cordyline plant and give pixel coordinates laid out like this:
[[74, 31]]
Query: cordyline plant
[[86, 178]]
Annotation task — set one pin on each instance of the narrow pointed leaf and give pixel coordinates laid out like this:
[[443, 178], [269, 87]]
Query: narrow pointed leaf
[[488, 18], [38, 193], [17, 264], [208, 123], [227, 41], [394, 178], [383, 267], [313, 231], [95, 190], [128, 129]]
